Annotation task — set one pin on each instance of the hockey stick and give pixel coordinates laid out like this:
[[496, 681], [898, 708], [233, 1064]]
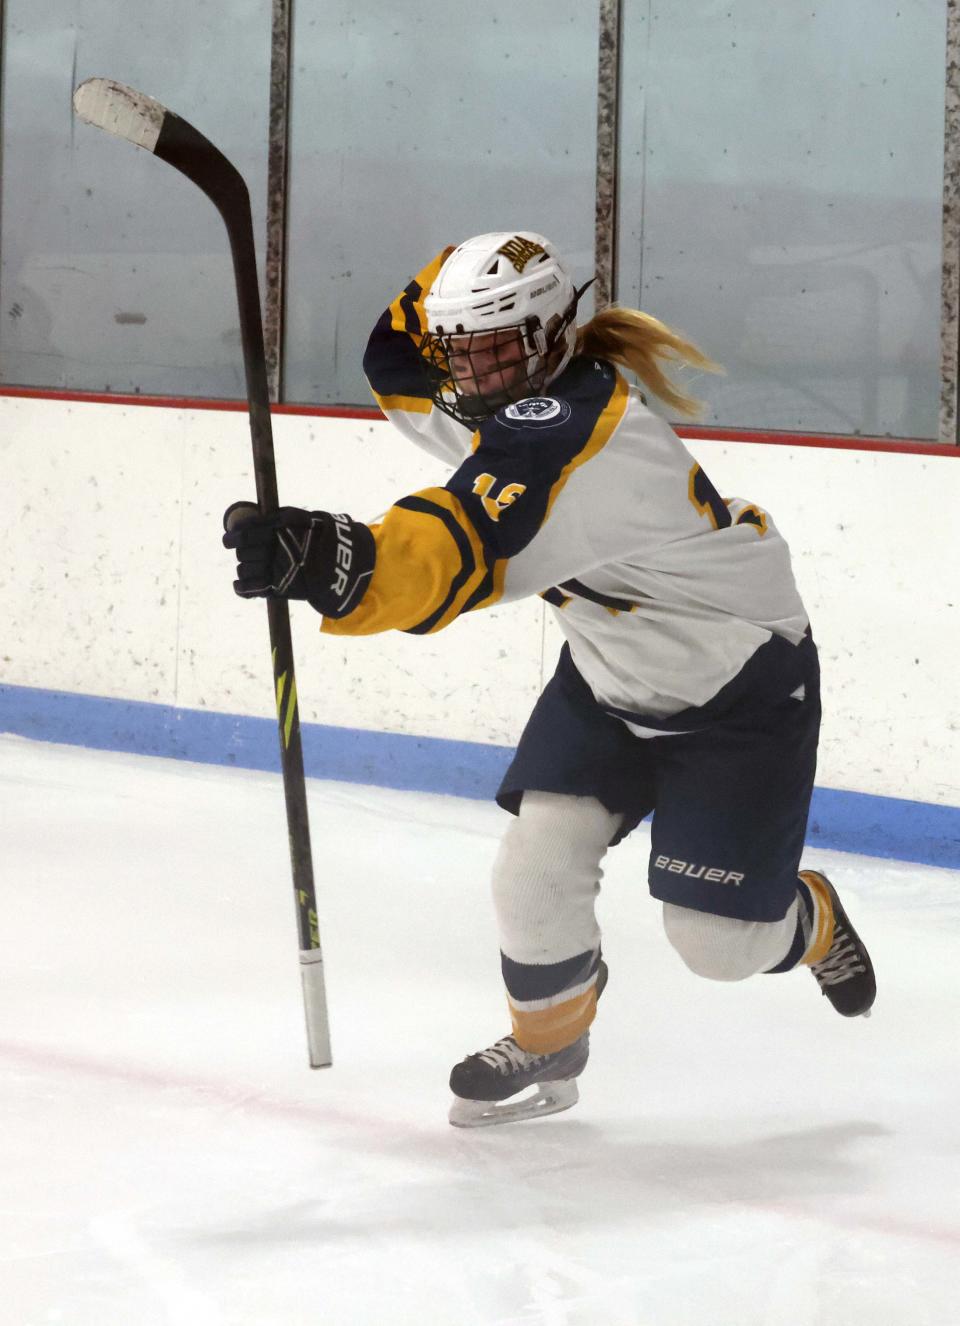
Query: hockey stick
[[145, 123]]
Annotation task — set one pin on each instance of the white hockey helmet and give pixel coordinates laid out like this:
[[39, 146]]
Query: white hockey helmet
[[514, 284]]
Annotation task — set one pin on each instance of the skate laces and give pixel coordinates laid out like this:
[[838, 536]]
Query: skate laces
[[841, 963], [506, 1056]]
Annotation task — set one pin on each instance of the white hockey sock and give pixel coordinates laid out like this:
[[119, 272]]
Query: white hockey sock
[[545, 883], [723, 948], [547, 876]]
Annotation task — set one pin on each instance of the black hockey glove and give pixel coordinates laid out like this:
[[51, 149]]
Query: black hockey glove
[[294, 554]]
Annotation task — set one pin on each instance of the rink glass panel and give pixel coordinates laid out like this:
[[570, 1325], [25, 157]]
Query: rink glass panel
[[780, 188], [413, 129], [780, 202], [116, 273]]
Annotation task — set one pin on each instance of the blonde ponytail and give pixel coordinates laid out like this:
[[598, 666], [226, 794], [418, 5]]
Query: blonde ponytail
[[640, 342]]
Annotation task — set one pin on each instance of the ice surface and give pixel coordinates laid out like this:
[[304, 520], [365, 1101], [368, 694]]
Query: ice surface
[[740, 1155]]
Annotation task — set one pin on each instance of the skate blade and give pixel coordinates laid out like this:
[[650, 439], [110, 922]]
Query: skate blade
[[549, 1098]]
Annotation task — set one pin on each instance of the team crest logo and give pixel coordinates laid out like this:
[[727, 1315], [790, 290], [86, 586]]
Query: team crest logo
[[535, 412], [520, 251]]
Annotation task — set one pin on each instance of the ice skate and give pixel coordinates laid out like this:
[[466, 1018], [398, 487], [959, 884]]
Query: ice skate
[[486, 1084], [845, 973]]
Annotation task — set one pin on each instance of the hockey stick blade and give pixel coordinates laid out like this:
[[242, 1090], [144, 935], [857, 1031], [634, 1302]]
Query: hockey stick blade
[[120, 110], [143, 121]]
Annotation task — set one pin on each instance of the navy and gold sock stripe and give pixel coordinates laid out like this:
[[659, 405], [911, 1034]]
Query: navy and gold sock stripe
[[551, 1004]]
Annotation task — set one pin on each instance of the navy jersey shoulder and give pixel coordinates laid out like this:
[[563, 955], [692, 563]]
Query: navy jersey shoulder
[[564, 416], [392, 363], [523, 450]]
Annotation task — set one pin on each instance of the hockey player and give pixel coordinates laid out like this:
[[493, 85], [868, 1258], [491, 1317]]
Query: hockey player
[[688, 685]]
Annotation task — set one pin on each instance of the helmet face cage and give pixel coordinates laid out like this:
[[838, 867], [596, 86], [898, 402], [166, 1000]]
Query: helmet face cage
[[472, 374]]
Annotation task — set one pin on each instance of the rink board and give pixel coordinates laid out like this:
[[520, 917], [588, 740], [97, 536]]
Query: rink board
[[841, 820], [121, 629]]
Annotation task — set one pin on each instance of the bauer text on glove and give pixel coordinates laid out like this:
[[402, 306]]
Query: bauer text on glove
[[295, 554]]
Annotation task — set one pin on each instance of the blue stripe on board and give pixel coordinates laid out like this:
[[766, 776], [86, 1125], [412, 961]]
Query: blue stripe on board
[[350, 755], [844, 821]]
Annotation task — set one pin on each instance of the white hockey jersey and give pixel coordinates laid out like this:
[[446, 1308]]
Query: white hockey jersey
[[663, 589]]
